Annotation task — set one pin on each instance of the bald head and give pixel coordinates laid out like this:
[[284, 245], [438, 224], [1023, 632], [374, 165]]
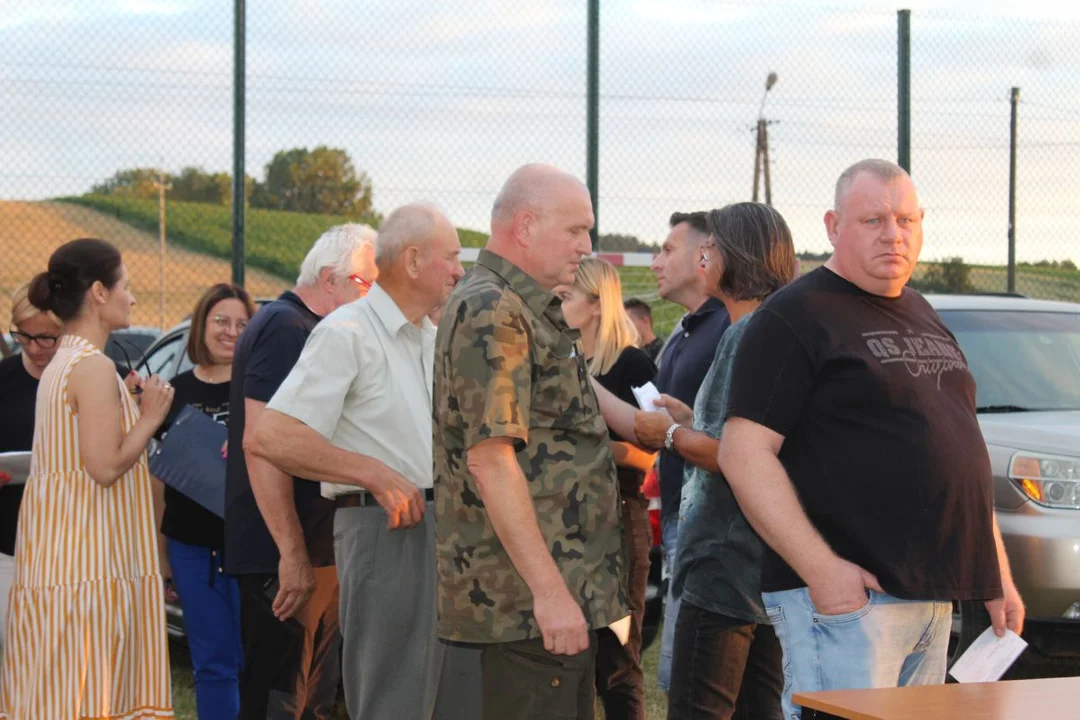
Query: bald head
[[536, 188], [883, 170], [541, 221], [415, 225]]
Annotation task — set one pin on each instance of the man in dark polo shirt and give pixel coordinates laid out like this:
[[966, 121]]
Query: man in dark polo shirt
[[853, 448], [278, 529], [528, 537], [683, 364]]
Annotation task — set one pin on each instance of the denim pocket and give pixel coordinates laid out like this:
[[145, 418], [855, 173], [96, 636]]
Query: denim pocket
[[847, 617]]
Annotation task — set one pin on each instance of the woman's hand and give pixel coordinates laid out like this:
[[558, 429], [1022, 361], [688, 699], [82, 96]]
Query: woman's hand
[[679, 411], [157, 397]]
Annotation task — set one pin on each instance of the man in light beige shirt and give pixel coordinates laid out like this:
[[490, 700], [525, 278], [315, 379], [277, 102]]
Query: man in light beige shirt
[[355, 413]]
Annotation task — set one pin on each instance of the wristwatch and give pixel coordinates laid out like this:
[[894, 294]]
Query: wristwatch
[[669, 437]]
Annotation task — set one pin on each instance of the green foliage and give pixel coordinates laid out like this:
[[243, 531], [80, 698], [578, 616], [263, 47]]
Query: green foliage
[[192, 184], [133, 183], [951, 277], [322, 181]]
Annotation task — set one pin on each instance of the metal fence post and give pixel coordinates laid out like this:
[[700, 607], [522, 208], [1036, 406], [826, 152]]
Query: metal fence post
[[592, 159], [1013, 101], [239, 191], [903, 81]]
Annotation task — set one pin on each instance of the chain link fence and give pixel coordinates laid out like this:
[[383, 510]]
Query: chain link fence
[[353, 109]]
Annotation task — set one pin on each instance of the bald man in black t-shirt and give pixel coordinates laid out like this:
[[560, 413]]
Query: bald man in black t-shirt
[[852, 445]]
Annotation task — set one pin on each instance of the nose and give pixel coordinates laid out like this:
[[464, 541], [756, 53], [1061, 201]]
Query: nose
[[890, 229], [655, 265], [459, 271]]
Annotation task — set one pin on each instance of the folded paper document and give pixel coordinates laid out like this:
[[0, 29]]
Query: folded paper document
[[189, 459]]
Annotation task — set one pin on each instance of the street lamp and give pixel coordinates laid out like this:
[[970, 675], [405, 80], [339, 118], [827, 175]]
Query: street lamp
[[761, 151]]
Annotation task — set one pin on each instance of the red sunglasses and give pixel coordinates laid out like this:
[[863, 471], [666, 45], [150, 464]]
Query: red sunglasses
[[360, 281]]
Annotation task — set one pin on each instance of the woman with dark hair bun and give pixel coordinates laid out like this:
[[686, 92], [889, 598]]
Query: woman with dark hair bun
[[87, 603]]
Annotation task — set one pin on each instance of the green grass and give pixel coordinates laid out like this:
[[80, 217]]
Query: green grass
[[277, 241]]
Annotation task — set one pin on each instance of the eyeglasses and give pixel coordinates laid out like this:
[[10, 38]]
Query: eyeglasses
[[366, 284], [45, 342], [222, 322]]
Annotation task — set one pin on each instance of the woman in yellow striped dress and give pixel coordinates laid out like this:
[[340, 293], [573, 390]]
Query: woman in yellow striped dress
[[86, 627]]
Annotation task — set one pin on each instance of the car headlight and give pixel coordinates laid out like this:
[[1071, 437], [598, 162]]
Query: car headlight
[[1050, 480]]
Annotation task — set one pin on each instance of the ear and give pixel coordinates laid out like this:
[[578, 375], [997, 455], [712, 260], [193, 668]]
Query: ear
[[326, 280], [524, 223], [412, 260], [99, 293], [832, 220]]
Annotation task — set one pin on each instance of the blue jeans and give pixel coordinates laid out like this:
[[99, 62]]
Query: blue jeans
[[211, 603], [669, 533], [888, 642]]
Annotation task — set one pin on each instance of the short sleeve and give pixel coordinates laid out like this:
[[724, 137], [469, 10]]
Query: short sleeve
[[639, 368], [772, 375], [491, 372], [315, 389], [271, 358]]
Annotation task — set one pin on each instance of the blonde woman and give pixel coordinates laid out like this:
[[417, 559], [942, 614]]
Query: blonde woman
[[593, 304], [36, 332]]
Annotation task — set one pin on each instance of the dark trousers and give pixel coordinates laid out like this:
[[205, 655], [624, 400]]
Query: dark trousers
[[723, 668], [620, 682], [524, 681], [292, 668]]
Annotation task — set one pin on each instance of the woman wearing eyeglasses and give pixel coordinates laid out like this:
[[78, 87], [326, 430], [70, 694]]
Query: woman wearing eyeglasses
[[191, 537], [36, 332]]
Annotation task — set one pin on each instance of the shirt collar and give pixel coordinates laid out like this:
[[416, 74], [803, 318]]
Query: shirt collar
[[388, 312], [537, 298], [692, 320]]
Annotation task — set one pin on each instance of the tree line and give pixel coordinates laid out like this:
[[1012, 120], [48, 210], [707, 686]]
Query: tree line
[[323, 181]]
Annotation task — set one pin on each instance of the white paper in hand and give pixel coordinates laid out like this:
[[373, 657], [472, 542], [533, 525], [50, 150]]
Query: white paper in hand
[[645, 396], [988, 657]]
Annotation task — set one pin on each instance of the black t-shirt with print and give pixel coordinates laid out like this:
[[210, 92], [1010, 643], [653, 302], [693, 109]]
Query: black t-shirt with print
[[877, 408], [186, 520], [632, 369], [18, 393]]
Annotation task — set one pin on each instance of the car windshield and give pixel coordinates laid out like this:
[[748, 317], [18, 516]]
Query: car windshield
[[1021, 360]]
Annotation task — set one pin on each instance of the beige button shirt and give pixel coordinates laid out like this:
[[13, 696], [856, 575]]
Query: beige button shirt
[[364, 383]]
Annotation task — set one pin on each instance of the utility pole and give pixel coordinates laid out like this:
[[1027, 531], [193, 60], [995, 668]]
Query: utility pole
[[761, 149], [162, 186]]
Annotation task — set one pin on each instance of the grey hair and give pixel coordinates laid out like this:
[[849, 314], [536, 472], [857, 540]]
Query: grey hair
[[412, 224], [884, 170], [335, 249]]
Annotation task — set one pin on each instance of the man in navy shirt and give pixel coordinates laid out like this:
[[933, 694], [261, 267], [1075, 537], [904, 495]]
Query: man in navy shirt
[[278, 529], [683, 365]]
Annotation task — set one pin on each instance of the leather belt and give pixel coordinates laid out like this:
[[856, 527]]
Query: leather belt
[[366, 499]]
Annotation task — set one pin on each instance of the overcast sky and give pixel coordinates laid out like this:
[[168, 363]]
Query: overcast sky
[[440, 101]]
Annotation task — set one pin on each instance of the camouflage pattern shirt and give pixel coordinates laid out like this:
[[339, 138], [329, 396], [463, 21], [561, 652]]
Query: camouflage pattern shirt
[[507, 365]]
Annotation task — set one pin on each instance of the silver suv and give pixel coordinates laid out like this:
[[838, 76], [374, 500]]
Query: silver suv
[[1025, 356]]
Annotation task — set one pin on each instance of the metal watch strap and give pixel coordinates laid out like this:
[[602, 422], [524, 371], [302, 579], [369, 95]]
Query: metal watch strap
[[669, 437]]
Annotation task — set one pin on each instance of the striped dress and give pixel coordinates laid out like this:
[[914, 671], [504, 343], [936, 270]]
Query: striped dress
[[86, 628]]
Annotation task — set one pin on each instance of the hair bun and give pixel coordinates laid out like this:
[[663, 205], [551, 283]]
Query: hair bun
[[56, 283]]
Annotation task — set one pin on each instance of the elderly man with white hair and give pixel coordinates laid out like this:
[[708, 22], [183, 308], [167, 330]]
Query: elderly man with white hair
[[356, 414], [278, 529]]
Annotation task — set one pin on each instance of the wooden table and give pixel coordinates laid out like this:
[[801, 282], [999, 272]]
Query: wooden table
[[1043, 699]]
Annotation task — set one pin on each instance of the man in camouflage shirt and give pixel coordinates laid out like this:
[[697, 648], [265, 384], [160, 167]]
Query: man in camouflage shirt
[[529, 543]]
